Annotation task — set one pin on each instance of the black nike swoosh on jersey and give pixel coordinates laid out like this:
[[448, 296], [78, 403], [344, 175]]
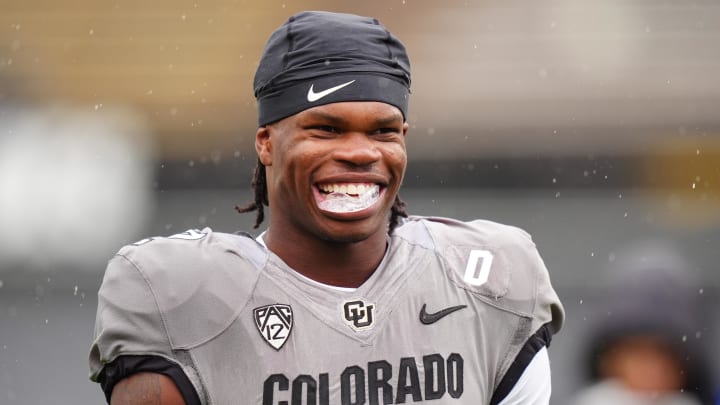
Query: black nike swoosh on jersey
[[428, 319]]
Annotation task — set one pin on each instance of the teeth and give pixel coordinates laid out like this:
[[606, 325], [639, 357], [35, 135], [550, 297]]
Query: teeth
[[346, 188], [345, 198]]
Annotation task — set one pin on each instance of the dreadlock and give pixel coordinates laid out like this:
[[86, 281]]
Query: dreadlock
[[259, 186]]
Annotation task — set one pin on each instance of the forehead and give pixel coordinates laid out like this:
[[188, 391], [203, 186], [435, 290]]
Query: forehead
[[365, 112]]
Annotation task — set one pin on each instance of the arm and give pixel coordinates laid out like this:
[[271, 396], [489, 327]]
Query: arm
[[146, 389]]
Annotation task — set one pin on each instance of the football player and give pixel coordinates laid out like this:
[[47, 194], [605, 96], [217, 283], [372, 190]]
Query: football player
[[344, 299]]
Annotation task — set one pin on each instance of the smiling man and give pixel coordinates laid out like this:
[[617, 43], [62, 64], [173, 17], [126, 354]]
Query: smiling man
[[344, 299]]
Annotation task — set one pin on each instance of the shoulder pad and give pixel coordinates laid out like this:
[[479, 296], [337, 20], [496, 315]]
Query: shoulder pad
[[497, 262], [201, 280]]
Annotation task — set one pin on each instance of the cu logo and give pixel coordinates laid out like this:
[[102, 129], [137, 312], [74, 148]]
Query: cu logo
[[358, 314]]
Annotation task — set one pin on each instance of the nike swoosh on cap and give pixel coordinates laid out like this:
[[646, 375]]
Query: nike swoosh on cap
[[427, 318], [312, 96]]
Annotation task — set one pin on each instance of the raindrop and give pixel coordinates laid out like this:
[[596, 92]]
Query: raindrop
[[684, 338], [191, 163], [592, 254], [620, 196], [1, 284], [92, 31], [557, 195], [75, 291], [693, 186], [581, 301], [216, 156], [625, 215], [698, 335], [697, 152], [554, 180], [183, 17], [46, 321], [701, 291]]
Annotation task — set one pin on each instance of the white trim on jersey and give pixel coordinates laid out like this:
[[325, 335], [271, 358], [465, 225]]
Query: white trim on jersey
[[533, 387]]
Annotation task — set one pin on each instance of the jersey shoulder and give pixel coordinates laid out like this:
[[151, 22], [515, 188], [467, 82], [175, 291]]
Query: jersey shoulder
[[198, 274], [499, 263]]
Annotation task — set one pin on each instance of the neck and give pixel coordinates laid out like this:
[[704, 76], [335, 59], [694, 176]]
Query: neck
[[342, 264]]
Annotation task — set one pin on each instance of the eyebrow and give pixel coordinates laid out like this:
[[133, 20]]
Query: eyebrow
[[389, 120]]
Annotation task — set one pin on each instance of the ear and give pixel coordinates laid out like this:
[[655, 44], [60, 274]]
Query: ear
[[406, 126], [263, 145]]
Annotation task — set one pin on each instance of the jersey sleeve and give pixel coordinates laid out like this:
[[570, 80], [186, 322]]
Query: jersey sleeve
[[128, 321], [130, 335]]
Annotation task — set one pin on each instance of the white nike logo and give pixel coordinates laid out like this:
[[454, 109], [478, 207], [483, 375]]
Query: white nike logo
[[312, 96]]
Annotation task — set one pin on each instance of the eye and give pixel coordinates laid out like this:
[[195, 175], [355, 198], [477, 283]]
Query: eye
[[387, 132], [324, 130], [328, 128]]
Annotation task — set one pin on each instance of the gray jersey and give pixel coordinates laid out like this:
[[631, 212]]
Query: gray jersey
[[451, 315]]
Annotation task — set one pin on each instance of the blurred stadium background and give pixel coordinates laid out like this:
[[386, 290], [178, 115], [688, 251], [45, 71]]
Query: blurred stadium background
[[594, 125]]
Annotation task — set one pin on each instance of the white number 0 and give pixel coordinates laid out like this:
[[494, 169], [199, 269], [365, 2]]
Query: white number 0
[[474, 277]]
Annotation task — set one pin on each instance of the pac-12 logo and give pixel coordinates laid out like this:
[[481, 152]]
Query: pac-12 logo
[[274, 322], [358, 314]]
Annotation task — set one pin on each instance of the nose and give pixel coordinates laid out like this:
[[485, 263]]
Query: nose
[[356, 149]]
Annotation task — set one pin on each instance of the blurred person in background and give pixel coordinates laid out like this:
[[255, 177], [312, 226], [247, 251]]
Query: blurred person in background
[[648, 347]]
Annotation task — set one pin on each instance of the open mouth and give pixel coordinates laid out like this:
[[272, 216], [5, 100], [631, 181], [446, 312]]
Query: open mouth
[[347, 197]]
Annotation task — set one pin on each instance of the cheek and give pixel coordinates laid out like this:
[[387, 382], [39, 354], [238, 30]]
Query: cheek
[[397, 156]]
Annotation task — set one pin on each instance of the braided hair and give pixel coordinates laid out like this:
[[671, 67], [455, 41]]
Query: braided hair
[[259, 186]]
